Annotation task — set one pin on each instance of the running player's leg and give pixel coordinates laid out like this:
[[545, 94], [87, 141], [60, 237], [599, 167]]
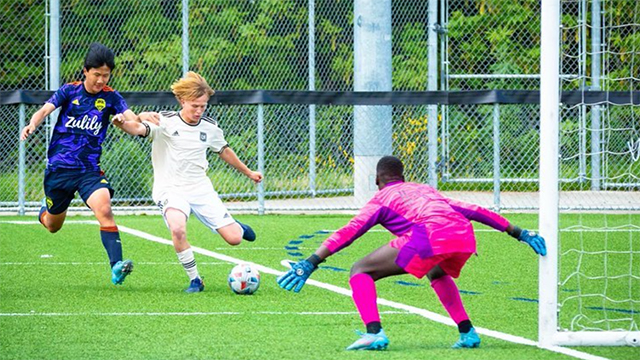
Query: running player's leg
[[96, 192], [100, 203], [176, 219], [59, 190], [449, 295], [377, 265], [51, 222]]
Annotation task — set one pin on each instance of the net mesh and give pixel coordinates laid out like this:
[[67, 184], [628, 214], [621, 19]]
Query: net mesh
[[599, 266]]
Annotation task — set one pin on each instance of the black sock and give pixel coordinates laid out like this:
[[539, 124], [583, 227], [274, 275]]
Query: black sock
[[464, 326], [374, 327]]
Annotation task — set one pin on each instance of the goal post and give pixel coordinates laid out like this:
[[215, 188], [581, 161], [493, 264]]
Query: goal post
[[609, 331], [548, 217]]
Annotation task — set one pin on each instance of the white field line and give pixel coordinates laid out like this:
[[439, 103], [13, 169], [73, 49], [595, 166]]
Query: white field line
[[46, 263], [214, 313], [412, 309]]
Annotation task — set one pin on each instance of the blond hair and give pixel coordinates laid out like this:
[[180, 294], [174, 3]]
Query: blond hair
[[191, 87]]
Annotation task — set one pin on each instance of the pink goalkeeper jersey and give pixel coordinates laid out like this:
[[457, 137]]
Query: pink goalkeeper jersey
[[434, 223]]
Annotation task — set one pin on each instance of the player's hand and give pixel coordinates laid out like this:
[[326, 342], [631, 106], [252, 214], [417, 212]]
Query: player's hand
[[118, 119], [255, 176], [535, 241], [151, 117], [295, 278], [26, 131]]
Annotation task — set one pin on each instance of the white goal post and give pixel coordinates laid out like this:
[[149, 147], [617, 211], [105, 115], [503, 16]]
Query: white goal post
[[549, 333]]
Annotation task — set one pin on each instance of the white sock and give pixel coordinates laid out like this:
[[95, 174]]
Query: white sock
[[189, 263]]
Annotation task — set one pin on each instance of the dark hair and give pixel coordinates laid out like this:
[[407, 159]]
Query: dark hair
[[99, 55], [389, 169]]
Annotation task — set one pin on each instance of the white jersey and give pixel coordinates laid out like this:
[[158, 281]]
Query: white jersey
[[179, 153]]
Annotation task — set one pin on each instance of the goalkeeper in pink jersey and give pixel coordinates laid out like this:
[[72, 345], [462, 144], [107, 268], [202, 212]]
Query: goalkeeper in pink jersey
[[434, 238]]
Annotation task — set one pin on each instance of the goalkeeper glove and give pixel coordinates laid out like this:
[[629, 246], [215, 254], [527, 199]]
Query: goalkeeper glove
[[297, 276], [531, 238]]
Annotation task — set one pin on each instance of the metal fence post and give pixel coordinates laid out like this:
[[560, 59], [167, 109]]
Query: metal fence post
[[372, 137], [596, 132], [432, 85], [582, 123], [312, 107], [21, 161], [496, 156], [54, 60], [185, 37], [261, 157]]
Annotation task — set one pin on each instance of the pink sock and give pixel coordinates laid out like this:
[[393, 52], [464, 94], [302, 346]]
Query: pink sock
[[364, 295], [449, 296]]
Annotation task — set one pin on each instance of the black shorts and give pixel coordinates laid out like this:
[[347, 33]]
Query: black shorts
[[60, 187]]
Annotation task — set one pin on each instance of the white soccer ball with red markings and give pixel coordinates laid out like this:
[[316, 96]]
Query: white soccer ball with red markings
[[244, 279]]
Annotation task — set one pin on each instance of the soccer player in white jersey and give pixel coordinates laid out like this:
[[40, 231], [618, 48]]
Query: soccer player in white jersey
[[180, 185]]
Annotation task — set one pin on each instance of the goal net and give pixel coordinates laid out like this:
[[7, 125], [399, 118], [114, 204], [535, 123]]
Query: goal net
[[591, 166]]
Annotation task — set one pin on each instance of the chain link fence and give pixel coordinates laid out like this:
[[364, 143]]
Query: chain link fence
[[486, 153]]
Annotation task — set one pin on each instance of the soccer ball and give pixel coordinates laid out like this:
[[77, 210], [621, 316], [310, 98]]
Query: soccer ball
[[244, 279]]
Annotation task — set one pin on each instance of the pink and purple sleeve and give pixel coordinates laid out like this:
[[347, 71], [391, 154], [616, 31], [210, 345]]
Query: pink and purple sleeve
[[478, 213], [367, 218]]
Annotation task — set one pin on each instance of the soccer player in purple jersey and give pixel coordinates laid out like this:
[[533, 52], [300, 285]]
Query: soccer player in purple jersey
[[75, 149], [434, 238]]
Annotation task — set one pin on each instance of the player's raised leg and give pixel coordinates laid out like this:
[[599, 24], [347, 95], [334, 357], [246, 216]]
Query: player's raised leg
[[377, 265], [100, 203], [52, 222], [231, 233], [210, 210], [449, 296], [59, 192], [177, 223], [247, 232]]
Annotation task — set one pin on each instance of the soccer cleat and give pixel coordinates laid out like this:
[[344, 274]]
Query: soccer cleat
[[468, 340], [196, 285], [248, 233], [120, 270], [369, 341]]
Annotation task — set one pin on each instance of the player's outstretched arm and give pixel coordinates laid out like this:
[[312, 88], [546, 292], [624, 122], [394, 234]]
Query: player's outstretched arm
[[530, 237], [130, 127], [36, 120], [295, 278], [229, 156], [148, 116]]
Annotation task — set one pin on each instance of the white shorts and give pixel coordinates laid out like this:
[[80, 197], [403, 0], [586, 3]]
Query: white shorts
[[207, 207]]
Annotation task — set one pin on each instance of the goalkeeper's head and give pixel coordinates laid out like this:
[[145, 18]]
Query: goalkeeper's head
[[389, 169]]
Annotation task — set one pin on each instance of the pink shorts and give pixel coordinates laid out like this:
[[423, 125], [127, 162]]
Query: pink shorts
[[451, 263]]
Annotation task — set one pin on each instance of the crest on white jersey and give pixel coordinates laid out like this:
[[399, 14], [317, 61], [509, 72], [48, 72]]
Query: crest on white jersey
[[203, 136]]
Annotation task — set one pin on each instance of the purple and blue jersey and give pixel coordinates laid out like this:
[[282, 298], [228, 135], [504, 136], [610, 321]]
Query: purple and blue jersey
[[81, 126]]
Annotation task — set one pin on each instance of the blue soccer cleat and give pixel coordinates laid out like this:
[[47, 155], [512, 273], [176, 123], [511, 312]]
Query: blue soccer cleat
[[196, 285], [368, 341], [120, 270], [248, 233], [468, 340]]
